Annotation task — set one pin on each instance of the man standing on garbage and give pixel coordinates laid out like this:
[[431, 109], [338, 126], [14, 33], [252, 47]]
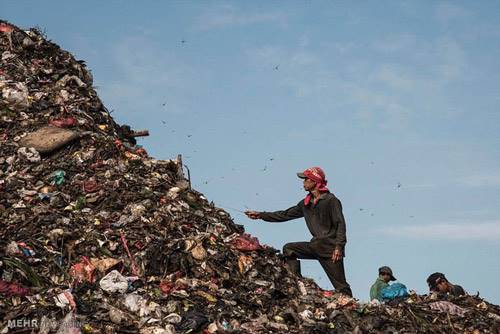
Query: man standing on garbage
[[322, 212]]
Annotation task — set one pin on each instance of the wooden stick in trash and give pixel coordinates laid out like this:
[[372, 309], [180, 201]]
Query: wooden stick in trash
[[132, 261], [230, 208], [140, 133]]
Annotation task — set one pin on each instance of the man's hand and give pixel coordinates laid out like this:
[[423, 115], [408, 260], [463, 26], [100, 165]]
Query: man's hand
[[337, 255], [252, 214]]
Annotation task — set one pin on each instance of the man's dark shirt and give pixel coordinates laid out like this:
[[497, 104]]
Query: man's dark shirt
[[457, 291], [324, 220]]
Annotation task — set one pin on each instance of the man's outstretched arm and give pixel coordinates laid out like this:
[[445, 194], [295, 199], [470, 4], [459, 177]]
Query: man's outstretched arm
[[277, 216]]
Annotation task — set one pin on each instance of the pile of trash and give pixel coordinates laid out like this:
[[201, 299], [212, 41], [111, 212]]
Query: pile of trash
[[98, 237]]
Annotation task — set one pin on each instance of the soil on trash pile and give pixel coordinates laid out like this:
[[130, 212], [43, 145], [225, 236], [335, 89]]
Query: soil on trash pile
[[98, 237]]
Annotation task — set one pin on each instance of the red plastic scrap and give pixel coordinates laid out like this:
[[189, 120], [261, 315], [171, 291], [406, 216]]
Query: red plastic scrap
[[64, 122], [90, 186], [246, 242], [327, 293], [119, 144], [7, 28], [83, 271], [167, 287], [141, 152], [139, 245], [13, 289]]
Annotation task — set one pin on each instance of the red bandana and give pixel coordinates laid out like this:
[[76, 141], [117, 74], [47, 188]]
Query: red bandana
[[317, 175]]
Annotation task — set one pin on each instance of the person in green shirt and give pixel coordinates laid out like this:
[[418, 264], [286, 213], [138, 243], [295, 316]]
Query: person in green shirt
[[384, 277]]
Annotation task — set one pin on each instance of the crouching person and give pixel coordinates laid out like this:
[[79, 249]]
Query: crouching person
[[382, 291], [383, 279], [438, 283]]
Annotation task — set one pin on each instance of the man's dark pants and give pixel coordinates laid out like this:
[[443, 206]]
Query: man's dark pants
[[334, 270]]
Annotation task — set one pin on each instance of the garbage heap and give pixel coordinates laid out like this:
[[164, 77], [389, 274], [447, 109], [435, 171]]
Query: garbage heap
[[97, 237]]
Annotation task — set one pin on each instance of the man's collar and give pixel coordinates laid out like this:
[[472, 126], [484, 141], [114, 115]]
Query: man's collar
[[315, 202], [323, 195]]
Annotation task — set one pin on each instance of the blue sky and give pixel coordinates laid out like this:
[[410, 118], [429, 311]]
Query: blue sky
[[377, 93]]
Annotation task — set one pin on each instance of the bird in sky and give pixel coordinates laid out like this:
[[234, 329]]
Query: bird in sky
[[276, 67], [399, 185], [183, 41], [164, 122]]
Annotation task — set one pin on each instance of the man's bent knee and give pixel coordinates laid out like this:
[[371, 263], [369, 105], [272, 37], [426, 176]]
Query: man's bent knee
[[288, 250]]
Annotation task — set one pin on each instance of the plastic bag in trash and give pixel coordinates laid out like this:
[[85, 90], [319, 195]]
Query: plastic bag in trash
[[193, 321], [393, 291], [114, 282]]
